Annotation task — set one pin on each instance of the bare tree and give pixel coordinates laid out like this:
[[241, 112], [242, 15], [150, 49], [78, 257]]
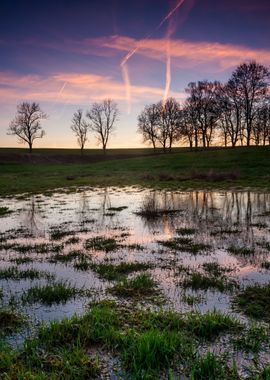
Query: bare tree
[[80, 128], [170, 122], [251, 80], [103, 117], [27, 123], [148, 124], [203, 100]]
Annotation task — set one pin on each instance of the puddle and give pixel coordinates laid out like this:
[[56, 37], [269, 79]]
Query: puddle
[[220, 220]]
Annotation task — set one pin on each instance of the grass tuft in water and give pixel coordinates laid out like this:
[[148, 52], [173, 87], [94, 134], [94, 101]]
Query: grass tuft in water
[[4, 211], [114, 272], [10, 321], [241, 251], [14, 273], [186, 231], [211, 367], [252, 339], [101, 243], [199, 281], [141, 285], [55, 293], [183, 244], [254, 301]]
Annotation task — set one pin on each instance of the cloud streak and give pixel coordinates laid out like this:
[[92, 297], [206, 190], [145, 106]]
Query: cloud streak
[[70, 88]]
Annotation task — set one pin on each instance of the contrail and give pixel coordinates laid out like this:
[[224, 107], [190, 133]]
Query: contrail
[[133, 51], [125, 75], [168, 71]]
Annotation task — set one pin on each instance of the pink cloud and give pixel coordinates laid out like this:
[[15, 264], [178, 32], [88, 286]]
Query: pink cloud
[[71, 88]]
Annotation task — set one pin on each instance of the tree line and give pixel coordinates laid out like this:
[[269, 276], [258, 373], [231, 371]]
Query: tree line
[[234, 113]]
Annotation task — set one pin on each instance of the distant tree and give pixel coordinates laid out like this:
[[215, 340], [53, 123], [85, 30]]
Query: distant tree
[[103, 117], [261, 125], [80, 128], [251, 81], [203, 102], [169, 122], [27, 123], [148, 121], [231, 107]]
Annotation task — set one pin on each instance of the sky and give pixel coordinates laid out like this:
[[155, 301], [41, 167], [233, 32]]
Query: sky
[[67, 54]]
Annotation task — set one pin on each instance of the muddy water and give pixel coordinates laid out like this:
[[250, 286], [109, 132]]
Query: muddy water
[[220, 220]]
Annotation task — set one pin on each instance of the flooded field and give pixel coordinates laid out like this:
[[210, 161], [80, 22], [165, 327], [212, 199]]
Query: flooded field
[[192, 252]]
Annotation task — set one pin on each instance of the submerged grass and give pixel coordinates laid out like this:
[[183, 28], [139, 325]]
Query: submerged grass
[[101, 243], [141, 285], [199, 281], [241, 251], [55, 293], [10, 321], [254, 301], [4, 211], [14, 273], [114, 272], [183, 244]]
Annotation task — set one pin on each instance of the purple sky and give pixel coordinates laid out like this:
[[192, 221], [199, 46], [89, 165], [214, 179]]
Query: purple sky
[[68, 54]]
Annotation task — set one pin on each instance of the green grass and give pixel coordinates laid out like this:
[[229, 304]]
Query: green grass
[[215, 269], [252, 163], [66, 257], [252, 339], [148, 344], [21, 260], [114, 272], [141, 285], [184, 244], [199, 281], [101, 243], [14, 273], [241, 251], [186, 231], [254, 301], [11, 321], [55, 293], [4, 211], [211, 367]]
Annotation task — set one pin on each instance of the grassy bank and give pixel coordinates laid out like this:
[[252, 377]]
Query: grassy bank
[[181, 169]]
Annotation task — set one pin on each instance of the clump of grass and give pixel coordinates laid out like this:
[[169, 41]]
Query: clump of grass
[[141, 285], [184, 245], [225, 232], [37, 248], [186, 231], [66, 258], [149, 352], [57, 234], [211, 367], [150, 209], [14, 273], [83, 264], [215, 269], [265, 265], [4, 211], [55, 293], [113, 272], [101, 243], [120, 208], [192, 300], [21, 260], [210, 325], [10, 321], [254, 301], [252, 339], [72, 240], [199, 281], [241, 251]]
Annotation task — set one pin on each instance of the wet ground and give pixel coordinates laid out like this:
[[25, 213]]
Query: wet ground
[[231, 229]]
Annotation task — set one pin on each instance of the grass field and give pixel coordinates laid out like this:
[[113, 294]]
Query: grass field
[[210, 169]]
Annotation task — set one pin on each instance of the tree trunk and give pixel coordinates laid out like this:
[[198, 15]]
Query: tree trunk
[[30, 147]]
